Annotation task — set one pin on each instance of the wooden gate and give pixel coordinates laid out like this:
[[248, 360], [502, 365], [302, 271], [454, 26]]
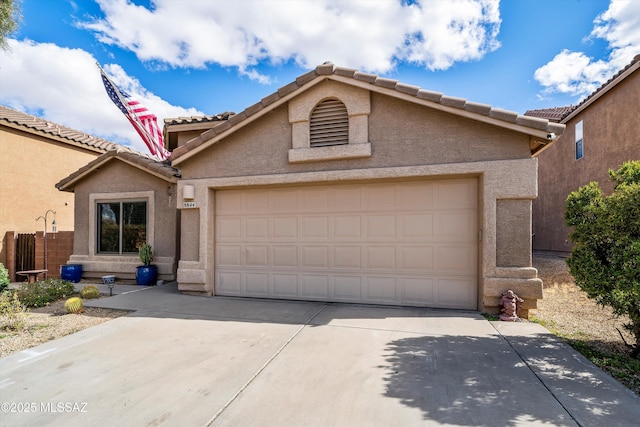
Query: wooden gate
[[25, 252]]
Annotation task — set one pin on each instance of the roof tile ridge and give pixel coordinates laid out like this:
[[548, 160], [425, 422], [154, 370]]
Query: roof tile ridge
[[50, 127], [439, 98], [328, 68]]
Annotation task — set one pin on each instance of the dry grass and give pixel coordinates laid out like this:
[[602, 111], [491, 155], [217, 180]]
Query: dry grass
[[589, 328]]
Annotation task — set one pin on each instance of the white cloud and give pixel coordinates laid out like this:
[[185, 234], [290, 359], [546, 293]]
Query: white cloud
[[242, 34], [64, 86], [576, 74]]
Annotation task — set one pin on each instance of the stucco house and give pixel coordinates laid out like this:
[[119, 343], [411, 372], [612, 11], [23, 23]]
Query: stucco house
[[37, 153], [124, 198], [601, 134], [343, 186]]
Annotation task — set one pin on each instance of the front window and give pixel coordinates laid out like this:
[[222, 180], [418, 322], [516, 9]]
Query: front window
[[579, 141], [122, 226]]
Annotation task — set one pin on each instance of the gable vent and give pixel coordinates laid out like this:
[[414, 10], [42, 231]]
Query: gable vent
[[329, 124]]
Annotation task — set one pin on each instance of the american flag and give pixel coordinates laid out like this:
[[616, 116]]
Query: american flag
[[143, 121]]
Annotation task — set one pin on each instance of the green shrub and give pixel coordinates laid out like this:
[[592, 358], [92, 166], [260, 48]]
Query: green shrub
[[605, 261], [146, 254], [39, 294], [89, 292], [12, 312], [4, 278]]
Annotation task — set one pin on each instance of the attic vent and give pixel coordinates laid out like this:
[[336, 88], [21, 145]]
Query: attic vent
[[329, 124]]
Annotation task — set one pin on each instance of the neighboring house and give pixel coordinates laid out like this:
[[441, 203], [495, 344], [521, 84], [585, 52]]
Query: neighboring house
[[601, 134], [36, 154], [341, 186]]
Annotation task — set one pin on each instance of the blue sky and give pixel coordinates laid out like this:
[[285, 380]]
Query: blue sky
[[197, 57]]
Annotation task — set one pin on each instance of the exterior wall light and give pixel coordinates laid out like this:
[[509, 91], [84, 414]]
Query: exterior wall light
[[188, 192]]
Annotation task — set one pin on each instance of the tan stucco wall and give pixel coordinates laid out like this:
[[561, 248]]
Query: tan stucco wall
[[610, 137], [117, 180], [183, 137], [190, 235], [513, 240], [31, 166], [408, 142], [417, 135]]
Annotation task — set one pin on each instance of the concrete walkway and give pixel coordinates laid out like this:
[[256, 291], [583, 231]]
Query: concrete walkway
[[188, 361]]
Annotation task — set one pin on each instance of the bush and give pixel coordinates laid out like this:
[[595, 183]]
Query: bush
[[605, 261], [4, 278], [12, 312], [89, 292], [39, 294]]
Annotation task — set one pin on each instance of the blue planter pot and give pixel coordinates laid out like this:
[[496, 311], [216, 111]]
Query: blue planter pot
[[71, 272], [146, 275]]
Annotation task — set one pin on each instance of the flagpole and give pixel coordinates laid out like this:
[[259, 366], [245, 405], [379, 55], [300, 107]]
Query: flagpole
[[133, 118]]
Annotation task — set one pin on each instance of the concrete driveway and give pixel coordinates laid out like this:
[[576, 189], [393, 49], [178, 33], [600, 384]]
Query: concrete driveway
[[188, 361]]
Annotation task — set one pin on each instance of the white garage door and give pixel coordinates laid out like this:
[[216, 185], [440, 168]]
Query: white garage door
[[404, 243]]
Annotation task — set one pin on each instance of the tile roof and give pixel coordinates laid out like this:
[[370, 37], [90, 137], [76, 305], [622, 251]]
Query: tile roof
[[38, 126], [109, 150], [141, 161], [374, 82], [198, 119], [554, 114]]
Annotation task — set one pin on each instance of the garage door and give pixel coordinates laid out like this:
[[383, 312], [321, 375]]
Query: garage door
[[401, 243]]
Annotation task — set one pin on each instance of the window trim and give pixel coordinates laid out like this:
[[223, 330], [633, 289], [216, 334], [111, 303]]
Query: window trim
[[137, 196], [578, 142], [121, 204]]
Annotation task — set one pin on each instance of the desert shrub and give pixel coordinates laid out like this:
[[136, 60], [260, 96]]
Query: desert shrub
[[73, 305], [39, 294], [4, 278], [12, 312], [605, 261], [89, 292]]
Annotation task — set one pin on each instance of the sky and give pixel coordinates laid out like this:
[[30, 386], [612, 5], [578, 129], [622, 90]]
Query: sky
[[184, 58]]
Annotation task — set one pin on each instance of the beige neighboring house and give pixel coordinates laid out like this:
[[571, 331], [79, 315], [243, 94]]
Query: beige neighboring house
[[35, 154], [341, 186], [601, 134]]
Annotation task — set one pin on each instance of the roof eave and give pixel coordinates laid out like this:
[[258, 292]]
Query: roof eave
[[478, 112], [536, 128], [602, 91], [22, 128], [68, 183], [242, 119]]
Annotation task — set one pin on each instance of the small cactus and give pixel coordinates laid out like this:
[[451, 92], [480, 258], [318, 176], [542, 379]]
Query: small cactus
[[89, 292], [74, 305]]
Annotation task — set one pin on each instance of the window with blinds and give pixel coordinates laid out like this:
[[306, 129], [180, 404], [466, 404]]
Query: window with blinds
[[329, 124]]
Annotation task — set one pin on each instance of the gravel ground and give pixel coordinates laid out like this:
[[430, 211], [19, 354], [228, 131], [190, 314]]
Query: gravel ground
[[50, 322], [566, 307], [592, 329]]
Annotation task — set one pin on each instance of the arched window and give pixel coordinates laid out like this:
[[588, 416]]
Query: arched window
[[329, 124]]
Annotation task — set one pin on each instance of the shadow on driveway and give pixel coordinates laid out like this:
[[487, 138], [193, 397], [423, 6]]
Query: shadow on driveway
[[185, 360], [482, 381]]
